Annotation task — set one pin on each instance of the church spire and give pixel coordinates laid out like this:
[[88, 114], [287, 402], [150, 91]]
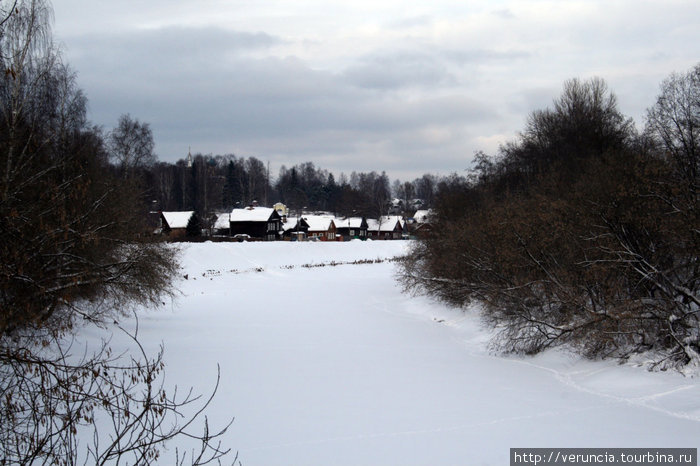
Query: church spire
[[189, 157]]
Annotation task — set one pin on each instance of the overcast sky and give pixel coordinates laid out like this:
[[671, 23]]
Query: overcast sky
[[404, 86]]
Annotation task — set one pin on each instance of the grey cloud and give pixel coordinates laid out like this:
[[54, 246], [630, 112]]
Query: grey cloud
[[534, 98], [470, 56], [188, 72], [220, 91], [412, 21], [144, 47], [397, 72], [428, 68], [420, 99], [504, 13], [394, 71]]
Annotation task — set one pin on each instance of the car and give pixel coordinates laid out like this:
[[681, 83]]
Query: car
[[240, 237]]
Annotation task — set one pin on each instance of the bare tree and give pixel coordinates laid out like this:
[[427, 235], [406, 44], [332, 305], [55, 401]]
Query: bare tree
[[73, 253], [673, 123], [131, 144], [576, 234], [99, 408]]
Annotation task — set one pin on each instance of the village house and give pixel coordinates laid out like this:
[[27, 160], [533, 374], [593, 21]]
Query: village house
[[421, 225], [386, 227], [351, 228], [174, 224], [295, 229], [321, 227], [222, 225], [262, 223]]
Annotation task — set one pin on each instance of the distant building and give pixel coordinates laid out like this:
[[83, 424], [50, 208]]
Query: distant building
[[321, 227], [396, 206], [423, 216], [386, 227], [281, 209], [262, 223], [174, 224], [295, 229], [351, 228], [422, 223], [222, 224]]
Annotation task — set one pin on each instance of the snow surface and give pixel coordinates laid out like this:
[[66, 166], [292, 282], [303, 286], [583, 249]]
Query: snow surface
[[335, 365]]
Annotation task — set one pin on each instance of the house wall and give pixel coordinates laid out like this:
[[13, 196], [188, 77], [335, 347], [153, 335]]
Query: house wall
[[267, 230], [327, 235], [176, 233], [254, 229], [352, 233], [396, 233]]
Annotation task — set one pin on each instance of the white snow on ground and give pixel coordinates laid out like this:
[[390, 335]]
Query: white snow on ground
[[334, 365]]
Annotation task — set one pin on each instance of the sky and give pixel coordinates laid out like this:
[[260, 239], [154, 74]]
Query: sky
[[407, 87]]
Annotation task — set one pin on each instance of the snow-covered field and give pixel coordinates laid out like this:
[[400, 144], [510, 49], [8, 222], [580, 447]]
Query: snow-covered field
[[334, 365]]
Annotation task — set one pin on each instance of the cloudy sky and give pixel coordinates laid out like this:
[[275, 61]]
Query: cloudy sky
[[404, 86]]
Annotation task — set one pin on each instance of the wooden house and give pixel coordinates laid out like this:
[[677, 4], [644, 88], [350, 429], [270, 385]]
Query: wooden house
[[320, 227], [222, 225], [386, 227], [422, 223], [262, 223], [351, 228], [174, 224], [295, 229]]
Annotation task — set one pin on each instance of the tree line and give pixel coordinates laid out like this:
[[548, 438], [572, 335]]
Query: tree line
[[219, 183], [582, 232]]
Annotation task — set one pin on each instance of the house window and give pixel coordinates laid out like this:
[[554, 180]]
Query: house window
[[352, 232]]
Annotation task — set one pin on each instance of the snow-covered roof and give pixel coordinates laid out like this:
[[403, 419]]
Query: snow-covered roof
[[351, 222], [422, 216], [388, 222], [221, 221], [384, 223], [290, 224], [319, 223], [177, 219], [252, 214]]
